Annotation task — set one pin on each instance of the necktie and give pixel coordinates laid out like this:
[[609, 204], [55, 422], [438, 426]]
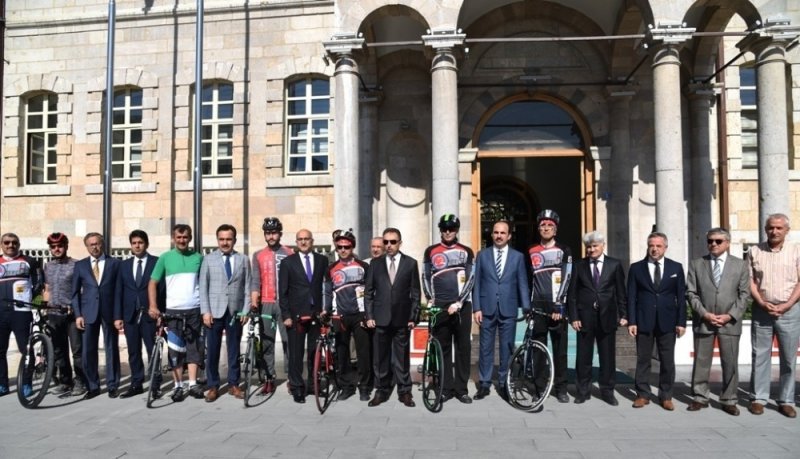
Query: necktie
[[96, 270], [138, 277], [498, 263], [228, 270], [392, 270], [657, 275], [717, 272], [595, 273], [309, 274]]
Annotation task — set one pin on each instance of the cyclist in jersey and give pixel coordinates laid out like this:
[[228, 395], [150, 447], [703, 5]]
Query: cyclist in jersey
[[343, 290], [549, 285], [264, 291], [447, 280]]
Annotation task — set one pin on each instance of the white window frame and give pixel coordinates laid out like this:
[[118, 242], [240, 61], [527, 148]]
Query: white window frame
[[216, 125], [308, 138], [131, 168], [749, 120], [41, 167]]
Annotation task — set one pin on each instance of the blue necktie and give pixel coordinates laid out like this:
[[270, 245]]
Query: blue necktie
[[138, 278], [309, 274], [228, 270]]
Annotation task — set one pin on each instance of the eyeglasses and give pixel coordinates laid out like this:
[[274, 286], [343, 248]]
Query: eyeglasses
[[390, 241], [715, 241], [344, 247], [449, 230], [303, 239], [56, 246], [10, 242]]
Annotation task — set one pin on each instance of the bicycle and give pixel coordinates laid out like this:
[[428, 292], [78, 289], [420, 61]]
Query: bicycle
[[252, 361], [155, 367], [36, 365], [326, 384], [432, 366], [530, 370]]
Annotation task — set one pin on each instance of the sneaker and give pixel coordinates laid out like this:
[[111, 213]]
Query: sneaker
[[268, 388], [77, 390], [177, 394], [62, 389], [27, 390], [3, 390], [196, 391], [345, 394]]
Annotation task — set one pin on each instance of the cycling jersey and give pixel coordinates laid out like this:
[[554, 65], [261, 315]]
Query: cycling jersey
[[181, 271], [448, 273], [550, 280], [266, 266], [344, 287], [20, 279]]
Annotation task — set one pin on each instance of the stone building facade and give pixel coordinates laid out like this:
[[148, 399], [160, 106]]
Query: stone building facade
[[620, 115]]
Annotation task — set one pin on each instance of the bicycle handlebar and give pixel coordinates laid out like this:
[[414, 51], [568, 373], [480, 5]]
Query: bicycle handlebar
[[44, 305], [531, 313]]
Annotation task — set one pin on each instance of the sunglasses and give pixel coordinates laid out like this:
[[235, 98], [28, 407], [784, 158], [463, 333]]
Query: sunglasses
[[344, 247], [10, 242], [56, 246], [449, 230], [715, 241], [390, 241]]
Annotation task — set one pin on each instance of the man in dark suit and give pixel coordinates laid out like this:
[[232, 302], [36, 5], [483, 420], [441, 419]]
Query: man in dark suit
[[132, 281], [718, 289], [95, 303], [300, 296], [597, 304], [501, 289], [656, 315], [391, 300]]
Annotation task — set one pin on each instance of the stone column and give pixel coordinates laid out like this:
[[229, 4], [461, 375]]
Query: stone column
[[346, 166], [703, 166], [769, 46], [620, 179], [444, 113], [670, 203], [369, 191]]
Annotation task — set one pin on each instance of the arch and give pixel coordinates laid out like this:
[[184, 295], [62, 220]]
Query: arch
[[437, 13]]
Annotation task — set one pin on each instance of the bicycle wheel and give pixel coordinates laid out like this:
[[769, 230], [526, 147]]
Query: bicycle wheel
[[530, 376], [432, 380], [324, 376], [154, 372], [248, 365], [35, 371]]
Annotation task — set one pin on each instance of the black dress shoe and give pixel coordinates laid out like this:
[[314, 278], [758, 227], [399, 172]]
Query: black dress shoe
[[464, 398], [562, 397], [407, 400], [91, 394], [376, 400], [299, 398], [113, 393], [580, 399], [610, 399], [133, 391], [482, 393]]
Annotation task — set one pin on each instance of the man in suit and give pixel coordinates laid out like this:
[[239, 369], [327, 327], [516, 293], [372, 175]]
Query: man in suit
[[597, 304], [224, 289], [132, 281], [656, 315], [775, 285], [391, 299], [718, 289], [96, 306], [501, 289], [300, 296]]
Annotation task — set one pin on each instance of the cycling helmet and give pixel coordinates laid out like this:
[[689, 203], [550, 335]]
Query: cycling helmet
[[345, 234], [449, 221], [57, 239], [272, 224], [547, 214]]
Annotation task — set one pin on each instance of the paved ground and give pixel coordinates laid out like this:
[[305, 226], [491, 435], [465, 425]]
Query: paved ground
[[109, 428]]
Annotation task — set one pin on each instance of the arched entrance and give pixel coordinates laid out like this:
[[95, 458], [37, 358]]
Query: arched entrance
[[532, 155]]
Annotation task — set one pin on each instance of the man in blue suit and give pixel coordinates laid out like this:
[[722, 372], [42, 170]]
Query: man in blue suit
[[501, 288], [132, 281], [95, 304], [656, 315]]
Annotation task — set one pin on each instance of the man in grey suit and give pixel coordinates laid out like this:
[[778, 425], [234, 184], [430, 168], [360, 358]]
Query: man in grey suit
[[224, 291], [501, 289], [717, 287]]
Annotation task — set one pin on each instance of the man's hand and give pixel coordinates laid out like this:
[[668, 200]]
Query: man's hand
[[555, 316], [370, 323], [576, 325], [633, 330], [153, 312], [623, 322], [411, 325], [478, 317], [287, 323], [79, 323], [118, 324], [454, 308], [680, 331], [208, 319]]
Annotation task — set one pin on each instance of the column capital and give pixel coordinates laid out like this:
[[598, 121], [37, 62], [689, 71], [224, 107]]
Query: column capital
[[669, 33], [444, 40], [703, 90], [343, 44], [370, 96], [776, 32]]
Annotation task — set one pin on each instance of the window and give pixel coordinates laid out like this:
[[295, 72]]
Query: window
[[307, 112], [217, 128], [126, 159], [40, 138], [749, 115]]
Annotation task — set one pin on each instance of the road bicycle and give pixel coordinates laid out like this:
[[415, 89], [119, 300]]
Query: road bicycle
[[432, 368], [326, 384], [530, 370], [35, 369], [253, 365], [159, 359]]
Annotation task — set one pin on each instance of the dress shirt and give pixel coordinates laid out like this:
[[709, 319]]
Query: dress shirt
[[136, 263], [100, 265], [503, 259], [651, 267], [396, 261]]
